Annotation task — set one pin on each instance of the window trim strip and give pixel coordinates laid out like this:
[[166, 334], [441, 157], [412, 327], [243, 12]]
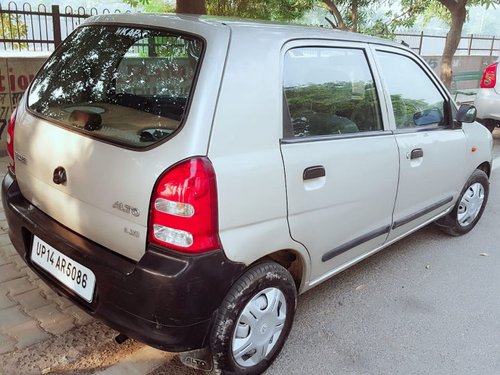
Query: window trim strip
[[336, 137]]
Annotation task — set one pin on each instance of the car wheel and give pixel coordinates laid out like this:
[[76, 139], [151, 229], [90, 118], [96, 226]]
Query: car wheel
[[254, 320], [469, 207]]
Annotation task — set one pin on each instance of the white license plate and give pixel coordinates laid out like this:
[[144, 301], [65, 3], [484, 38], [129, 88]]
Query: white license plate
[[78, 278]]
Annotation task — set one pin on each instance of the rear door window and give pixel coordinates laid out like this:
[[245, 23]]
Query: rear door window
[[330, 91], [126, 85]]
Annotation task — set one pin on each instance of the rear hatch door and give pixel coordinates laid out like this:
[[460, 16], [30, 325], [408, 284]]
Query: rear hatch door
[[105, 117]]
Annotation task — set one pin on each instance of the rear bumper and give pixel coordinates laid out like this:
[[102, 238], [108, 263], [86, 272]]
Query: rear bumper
[[166, 300]]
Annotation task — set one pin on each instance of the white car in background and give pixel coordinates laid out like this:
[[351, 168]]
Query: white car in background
[[487, 100]]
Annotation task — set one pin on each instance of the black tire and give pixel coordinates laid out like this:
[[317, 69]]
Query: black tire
[[452, 224], [251, 287]]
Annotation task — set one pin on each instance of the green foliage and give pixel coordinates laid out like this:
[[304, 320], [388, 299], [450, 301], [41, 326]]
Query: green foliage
[[405, 109], [159, 6], [379, 28], [319, 98], [281, 10], [13, 28], [332, 108], [423, 11], [153, 6], [356, 13], [166, 47]]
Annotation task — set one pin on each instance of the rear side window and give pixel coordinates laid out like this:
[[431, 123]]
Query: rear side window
[[330, 91], [125, 85]]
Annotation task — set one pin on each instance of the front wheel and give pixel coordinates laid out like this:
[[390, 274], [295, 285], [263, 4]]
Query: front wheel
[[469, 207], [254, 320]]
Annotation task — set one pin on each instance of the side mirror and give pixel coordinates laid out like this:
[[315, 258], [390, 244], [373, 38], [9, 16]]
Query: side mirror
[[466, 113]]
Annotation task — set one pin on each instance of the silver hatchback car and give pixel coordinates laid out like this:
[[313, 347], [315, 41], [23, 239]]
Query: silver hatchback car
[[183, 179]]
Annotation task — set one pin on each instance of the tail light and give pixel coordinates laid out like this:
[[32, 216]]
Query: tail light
[[10, 140], [489, 79], [183, 213]]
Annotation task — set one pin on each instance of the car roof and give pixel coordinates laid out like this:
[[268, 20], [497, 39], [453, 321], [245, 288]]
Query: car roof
[[305, 31], [278, 30]]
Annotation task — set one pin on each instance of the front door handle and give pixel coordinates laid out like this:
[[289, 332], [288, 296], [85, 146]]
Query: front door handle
[[416, 153], [314, 172]]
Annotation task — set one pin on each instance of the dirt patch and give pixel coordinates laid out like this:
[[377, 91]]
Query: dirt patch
[[82, 350]]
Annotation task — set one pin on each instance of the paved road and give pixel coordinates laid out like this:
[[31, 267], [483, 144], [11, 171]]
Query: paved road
[[426, 305]]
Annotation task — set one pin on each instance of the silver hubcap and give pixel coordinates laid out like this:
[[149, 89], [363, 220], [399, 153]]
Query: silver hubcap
[[471, 204], [259, 327]]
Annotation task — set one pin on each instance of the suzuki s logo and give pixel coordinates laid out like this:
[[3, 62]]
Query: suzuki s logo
[[59, 176]]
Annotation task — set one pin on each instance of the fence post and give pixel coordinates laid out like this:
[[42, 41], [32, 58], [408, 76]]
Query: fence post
[[470, 44], [421, 42], [56, 22]]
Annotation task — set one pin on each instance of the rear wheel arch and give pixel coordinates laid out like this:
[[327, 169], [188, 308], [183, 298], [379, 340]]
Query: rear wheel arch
[[486, 168], [254, 320], [292, 261]]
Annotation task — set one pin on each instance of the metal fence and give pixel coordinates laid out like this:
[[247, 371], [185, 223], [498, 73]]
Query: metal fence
[[39, 29], [470, 45]]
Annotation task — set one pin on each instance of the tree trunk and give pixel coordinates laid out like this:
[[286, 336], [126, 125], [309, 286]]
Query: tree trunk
[[354, 13], [190, 6], [458, 15], [336, 14]]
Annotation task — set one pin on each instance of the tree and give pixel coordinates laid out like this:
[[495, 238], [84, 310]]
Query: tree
[[349, 15], [362, 16], [350, 20], [453, 11], [346, 14], [260, 9], [458, 13], [280, 10], [191, 6]]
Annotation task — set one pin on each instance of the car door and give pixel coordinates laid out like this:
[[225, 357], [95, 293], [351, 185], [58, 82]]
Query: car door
[[431, 148], [341, 164]]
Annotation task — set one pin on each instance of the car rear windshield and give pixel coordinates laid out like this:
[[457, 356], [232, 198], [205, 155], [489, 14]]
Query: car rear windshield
[[125, 85]]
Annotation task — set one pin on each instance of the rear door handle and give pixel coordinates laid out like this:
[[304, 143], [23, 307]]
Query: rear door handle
[[314, 172], [416, 153]]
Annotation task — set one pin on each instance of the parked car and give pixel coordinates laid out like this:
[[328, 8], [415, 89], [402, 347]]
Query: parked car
[[183, 184], [487, 99]]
